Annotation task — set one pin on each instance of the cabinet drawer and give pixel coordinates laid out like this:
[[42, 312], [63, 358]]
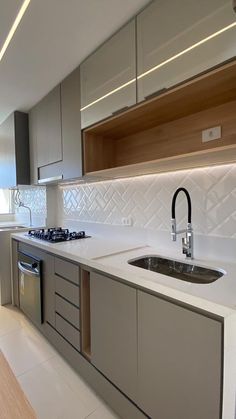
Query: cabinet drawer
[[67, 290], [68, 311], [69, 332], [67, 270]]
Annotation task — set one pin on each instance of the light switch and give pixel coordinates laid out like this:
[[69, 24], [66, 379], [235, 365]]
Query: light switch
[[211, 134]]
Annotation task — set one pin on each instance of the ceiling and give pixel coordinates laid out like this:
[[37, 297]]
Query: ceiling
[[52, 39]]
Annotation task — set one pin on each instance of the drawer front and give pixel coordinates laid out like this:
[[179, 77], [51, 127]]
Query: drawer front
[[67, 290], [67, 270], [31, 250], [68, 311], [69, 332]]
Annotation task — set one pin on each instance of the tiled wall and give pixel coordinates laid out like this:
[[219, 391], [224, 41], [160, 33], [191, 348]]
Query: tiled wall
[[35, 198], [147, 200]]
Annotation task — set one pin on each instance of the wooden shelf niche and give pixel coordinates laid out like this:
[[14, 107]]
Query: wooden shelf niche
[[165, 133]]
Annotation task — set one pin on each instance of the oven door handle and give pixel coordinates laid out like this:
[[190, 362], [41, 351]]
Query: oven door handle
[[27, 269]]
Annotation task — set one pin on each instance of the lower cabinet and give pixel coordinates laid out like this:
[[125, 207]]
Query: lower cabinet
[[114, 332], [179, 361], [48, 289], [165, 358]]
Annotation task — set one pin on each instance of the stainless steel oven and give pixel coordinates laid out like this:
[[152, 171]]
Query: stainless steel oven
[[30, 287]]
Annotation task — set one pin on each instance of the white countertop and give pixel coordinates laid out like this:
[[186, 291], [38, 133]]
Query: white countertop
[[80, 250], [111, 256]]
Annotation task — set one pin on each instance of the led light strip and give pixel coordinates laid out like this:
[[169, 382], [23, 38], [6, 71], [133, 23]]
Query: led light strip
[[14, 27], [187, 50], [108, 94], [161, 64]]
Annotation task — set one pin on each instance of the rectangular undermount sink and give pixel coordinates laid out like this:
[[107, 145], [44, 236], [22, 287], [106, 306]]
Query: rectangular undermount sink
[[180, 270]]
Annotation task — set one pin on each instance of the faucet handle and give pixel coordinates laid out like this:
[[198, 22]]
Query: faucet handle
[[184, 245], [187, 245]]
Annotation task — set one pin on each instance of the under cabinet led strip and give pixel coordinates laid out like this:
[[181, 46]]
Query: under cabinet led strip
[[174, 57], [14, 27]]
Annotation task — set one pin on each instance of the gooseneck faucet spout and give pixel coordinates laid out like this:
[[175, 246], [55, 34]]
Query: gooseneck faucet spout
[[187, 242]]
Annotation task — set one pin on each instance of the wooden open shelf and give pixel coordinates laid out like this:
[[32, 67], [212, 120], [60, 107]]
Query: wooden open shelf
[[85, 314], [164, 133]]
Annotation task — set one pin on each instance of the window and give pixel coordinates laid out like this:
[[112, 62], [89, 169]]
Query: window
[[4, 201]]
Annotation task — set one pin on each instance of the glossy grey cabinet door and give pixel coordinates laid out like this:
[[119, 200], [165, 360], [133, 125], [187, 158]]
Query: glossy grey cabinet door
[[48, 129], [33, 145], [167, 30], [114, 332], [179, 361], [14, 151], [71, 126], [55, 133], [110, 67]]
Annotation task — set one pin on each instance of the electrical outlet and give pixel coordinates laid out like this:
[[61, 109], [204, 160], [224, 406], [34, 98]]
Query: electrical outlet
[[211, 134], [127, 221]]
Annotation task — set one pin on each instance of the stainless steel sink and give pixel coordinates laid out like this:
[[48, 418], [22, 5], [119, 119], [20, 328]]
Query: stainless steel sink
[[180, 270]]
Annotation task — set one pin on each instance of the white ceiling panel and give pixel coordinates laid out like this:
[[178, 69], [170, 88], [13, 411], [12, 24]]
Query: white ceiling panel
[[53, 37], [8, 12]]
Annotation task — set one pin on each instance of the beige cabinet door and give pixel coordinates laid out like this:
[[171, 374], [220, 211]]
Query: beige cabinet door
[[108, 77], [166, 31], [48, 129], [179, 361], [33, 146], [114, 332], [71, 126]]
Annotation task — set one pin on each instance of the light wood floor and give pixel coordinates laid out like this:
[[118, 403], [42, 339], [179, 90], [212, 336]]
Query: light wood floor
[[13, 402]]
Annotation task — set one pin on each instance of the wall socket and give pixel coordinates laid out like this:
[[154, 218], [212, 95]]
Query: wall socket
[[211, 134], [127, 221]]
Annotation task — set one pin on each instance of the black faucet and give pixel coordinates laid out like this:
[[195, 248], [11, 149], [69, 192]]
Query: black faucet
[[188, 240]]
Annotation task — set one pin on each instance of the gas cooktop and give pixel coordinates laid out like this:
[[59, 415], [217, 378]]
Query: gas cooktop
[[56, 235]]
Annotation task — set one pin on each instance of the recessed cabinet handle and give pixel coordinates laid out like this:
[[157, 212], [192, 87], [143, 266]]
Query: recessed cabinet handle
[[120, 110], [50, 179], [27, 269], [157, 93]]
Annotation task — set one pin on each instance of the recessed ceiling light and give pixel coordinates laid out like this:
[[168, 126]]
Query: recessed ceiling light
[[14, 27], [163, 63]]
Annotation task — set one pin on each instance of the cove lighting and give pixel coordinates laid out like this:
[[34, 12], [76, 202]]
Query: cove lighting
[[120, 179], [14, 27], [226, 28], [174, 57], [108, 94]]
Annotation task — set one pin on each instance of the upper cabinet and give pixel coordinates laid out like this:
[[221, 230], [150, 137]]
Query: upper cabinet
[[55, 133], [178, 40], [71, 126], [108, 77], [48, 128], [14, 151]]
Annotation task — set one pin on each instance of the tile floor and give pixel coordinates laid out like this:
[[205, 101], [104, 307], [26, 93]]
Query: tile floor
[[53, 388]]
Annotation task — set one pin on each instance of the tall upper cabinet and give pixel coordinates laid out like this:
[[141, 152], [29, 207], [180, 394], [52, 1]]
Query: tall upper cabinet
[[179, 39], [14, 151], [55, 133], [108, 77]]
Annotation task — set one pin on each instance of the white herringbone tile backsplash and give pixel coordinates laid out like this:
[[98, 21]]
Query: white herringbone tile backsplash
[[147, 199], [35, 198]]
